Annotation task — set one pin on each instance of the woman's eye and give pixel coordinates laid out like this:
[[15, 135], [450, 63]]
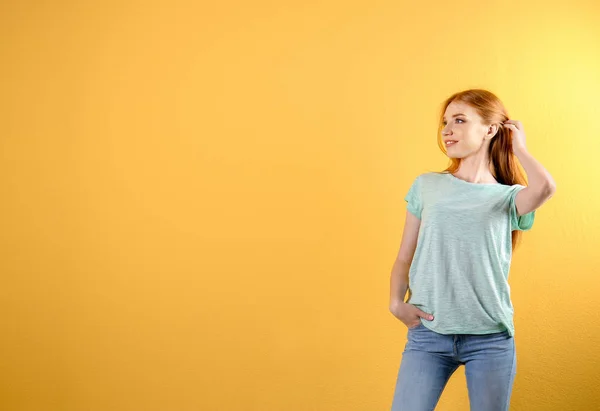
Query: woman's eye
[[458, 119]]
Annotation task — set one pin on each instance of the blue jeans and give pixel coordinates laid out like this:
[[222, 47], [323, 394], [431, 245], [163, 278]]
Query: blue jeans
[[429, 359]]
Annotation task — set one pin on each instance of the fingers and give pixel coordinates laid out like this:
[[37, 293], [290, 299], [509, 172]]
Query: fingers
[[424, 315], [515, 123], [511, 128], [419, 312]]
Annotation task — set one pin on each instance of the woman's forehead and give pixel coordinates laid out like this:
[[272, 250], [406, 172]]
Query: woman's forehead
[[457, 107]]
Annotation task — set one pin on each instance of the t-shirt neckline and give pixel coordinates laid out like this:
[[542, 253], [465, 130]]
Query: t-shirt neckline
[[460, 180]]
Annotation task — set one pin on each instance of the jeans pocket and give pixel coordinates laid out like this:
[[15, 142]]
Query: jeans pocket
[[415, 327]]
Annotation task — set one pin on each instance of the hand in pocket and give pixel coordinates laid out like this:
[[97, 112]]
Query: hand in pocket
[[410, 315]]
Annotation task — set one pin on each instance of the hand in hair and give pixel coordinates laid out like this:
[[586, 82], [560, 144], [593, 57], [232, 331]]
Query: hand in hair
[[518, 133]]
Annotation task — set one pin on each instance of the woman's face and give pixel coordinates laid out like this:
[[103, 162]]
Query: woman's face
[[463, 125]]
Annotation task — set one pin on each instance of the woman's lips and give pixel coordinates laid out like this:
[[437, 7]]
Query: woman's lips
[[450, 143]]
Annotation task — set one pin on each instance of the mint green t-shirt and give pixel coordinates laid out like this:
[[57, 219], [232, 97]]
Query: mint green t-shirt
[[459, 272]]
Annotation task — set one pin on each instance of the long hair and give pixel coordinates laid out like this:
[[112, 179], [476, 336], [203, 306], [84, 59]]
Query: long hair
[[503, 164]]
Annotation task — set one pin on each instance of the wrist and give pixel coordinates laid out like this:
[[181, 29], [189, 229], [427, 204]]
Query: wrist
[[396, 305], [518, 149]]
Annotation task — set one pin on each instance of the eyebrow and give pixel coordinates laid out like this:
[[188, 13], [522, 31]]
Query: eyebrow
[[456, 115]]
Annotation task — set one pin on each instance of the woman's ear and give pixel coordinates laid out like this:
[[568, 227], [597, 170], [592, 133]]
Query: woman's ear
[[492, 131]]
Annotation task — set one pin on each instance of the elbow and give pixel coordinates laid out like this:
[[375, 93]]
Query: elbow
[[550, 189]]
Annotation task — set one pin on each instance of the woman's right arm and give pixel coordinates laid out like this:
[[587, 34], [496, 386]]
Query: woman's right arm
[[399, 276], [407, 313]]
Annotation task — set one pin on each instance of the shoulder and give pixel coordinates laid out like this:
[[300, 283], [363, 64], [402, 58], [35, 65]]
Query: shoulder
[[514, 188], [426, 182], [430, 177]]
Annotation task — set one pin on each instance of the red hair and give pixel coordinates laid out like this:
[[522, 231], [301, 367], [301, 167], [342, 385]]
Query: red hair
[[503, 163]]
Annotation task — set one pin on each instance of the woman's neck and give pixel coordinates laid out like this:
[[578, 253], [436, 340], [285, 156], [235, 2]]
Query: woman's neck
[[475, 172]]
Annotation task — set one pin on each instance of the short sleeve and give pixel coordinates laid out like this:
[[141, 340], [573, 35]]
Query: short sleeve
[[524, 222], [414, 199]]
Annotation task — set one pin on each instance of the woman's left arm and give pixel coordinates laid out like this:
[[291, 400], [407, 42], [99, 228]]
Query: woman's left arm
[[540, 185]]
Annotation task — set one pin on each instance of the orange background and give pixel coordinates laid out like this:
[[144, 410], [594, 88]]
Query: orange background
[[201, 203]]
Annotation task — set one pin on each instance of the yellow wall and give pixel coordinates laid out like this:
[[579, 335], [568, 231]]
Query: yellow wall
[[201, 204]]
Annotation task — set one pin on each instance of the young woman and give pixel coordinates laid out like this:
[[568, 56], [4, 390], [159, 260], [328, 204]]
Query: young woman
[[462, 226]]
